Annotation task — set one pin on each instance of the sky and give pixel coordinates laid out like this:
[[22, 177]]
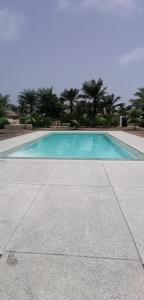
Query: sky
[[62, 43]]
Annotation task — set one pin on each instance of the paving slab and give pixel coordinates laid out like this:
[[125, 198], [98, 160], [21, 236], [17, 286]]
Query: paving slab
[[36, 277], [73, 243], [72, 220], [25, 171], [132, 204], [14, 202], [126, 174], [78, 173]]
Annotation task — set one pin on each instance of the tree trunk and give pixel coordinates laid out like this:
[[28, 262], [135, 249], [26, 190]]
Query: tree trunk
[[71, 109], [134, 127], [94, 108]]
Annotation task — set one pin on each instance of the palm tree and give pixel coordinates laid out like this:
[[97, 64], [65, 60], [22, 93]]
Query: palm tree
[[27, 99], [48, 103], [123, 109], [4, 101], [110, 104], [81, 109], [139, 101], [70, 96], [134, 114], [94, 91]]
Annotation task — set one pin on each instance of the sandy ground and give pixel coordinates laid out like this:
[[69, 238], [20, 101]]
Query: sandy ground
[[7, 134], [138, 133]]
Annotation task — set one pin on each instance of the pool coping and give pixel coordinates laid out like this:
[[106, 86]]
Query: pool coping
[[135, 142]]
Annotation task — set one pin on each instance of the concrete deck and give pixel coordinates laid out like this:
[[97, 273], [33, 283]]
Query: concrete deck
[[71, 230]]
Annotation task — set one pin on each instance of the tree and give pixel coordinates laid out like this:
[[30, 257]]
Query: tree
[[123, 109], [81, 109], [139, 101], [110, 104], [94, 91], [48, 103], [70, 96], [134, 115], [4, 101], [27, 100]]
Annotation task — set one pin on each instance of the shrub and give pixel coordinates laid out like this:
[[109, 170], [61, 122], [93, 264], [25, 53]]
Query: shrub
[[66, 118], [36, 120], [134, 117], [141, 122], [3, 121], [45, 122], [40, 121], [85, 121], [74, 124], [124, 121], [114, 121], [23, 120], [100, 122]]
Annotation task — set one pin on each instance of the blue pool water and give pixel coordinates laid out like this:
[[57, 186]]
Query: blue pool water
[[76, 146]]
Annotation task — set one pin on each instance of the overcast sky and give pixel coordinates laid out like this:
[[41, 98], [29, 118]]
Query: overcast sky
[[62, 43]]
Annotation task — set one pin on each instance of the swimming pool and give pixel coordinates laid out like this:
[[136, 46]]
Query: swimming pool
[[97, 146]]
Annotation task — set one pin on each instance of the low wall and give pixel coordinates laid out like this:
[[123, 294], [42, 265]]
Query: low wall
[[18, 126]]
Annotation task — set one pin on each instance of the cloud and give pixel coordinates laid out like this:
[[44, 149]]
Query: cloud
[[63, 4], [10, 25], [136, 54], [109, 6]]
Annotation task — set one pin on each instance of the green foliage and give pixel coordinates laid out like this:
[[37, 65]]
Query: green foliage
[[2, 109], [124, 121], [48, 104], [3, 121], [141, 122], [93, 108], [4, 101], [109, 104], [74, 124], [113, 121], [43, 122], [100, 122], [134, 115], [70, 97], [138, 103], [81, 109], [69, 105], [36, 120], [27, 101], [23, 120], [123, 109], [94, 91], [66, 118], [86, 122]]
